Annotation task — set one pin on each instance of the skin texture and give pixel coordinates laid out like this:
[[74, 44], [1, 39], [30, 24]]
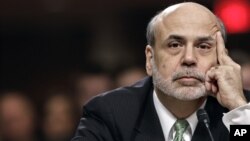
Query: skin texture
[[191, 40]]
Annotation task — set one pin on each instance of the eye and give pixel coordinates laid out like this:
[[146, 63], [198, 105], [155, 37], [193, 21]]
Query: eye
[[174, 44], [204, 46]]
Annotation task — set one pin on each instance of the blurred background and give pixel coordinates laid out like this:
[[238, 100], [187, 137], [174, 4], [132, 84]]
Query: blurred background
[[57, 54]]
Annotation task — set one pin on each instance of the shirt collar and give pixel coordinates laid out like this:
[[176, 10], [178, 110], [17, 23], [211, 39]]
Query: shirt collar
[[167, 119]]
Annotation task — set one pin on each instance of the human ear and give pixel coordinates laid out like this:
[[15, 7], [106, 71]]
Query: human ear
[[149, 57]]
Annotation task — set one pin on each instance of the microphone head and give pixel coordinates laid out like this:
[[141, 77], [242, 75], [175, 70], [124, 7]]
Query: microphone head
[[202, 116]]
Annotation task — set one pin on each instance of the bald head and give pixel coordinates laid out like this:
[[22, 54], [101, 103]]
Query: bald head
[[187, 13], [186, 8]]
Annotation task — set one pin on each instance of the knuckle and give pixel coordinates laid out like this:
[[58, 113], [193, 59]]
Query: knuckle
[[238, 67]]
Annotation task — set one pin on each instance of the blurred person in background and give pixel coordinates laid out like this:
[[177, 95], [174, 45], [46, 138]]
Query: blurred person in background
[[60, 118], [243, 58], [91, 83], [17, 117], [129, 76]]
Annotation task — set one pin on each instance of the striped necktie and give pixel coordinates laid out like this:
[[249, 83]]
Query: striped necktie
[[180, 127]]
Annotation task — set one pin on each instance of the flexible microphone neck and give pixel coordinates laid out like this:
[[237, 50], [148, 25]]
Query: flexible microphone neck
[[203, 117]]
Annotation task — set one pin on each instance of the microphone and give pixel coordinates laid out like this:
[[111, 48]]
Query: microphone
[[203, 117]]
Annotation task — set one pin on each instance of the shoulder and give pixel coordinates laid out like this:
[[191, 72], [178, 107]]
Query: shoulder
[[119, 109], [121, 98]]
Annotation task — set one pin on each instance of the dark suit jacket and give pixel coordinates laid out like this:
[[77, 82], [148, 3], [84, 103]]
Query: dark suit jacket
[[128, 114]]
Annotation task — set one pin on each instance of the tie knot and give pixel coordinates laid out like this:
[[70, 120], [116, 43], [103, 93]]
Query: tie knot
[[180, 126]]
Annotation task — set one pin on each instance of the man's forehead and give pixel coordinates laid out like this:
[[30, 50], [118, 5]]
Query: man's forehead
[[183, 27]]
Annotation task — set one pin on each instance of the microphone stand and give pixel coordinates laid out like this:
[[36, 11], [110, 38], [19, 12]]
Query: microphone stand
[[203, 117]]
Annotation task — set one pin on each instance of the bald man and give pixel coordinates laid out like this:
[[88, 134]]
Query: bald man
[[188, 69]]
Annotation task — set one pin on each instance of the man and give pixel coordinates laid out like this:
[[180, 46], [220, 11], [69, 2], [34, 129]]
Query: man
[[190, 70]]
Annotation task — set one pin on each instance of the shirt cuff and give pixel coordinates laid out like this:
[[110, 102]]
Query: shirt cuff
[[240, 115]]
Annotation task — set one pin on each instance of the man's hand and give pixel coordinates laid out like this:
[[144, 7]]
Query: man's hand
[[225, 80]]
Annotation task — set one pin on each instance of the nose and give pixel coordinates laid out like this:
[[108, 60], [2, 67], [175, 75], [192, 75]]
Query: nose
[[189, 58]]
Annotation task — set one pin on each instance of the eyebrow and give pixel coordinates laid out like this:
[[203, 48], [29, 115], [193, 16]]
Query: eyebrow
[[206, 39], [176, 37], [199, 39]]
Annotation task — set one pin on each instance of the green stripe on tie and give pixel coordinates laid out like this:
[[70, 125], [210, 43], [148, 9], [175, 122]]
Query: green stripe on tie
[[180, 127]]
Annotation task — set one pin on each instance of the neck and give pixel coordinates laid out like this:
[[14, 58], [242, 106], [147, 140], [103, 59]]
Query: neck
[[179, 108]]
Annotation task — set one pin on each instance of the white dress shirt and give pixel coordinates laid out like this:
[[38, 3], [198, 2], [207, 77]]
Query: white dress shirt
[[239, 115]]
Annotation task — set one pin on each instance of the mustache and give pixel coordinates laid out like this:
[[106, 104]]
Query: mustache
[[187, 72]]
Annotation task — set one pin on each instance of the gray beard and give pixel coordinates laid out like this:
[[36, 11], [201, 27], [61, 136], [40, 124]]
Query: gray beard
[[172, 88]]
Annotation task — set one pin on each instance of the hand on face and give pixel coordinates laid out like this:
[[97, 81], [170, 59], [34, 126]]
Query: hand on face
[[224, 80]]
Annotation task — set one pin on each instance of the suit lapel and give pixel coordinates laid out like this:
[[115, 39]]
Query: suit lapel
[[149, 127]]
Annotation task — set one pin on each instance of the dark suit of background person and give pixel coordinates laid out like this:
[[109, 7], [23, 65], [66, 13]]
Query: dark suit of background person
[[128, 114], [187, 60]]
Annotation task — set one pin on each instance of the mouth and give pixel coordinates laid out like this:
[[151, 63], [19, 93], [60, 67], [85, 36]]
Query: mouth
[[188, 80]]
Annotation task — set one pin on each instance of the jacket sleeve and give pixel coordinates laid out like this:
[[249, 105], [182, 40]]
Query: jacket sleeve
[[96, 123]]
